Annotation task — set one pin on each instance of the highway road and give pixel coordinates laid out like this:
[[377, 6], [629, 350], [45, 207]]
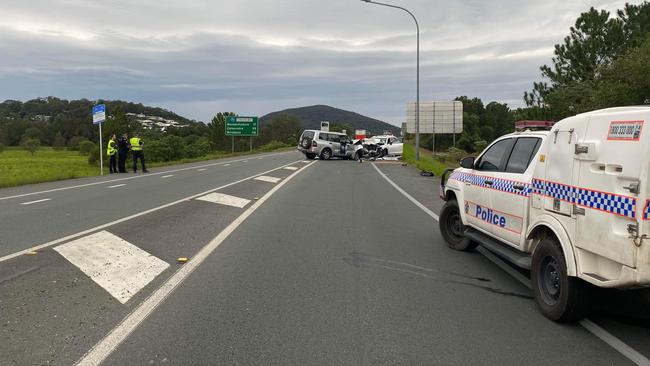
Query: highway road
[[290, 262]]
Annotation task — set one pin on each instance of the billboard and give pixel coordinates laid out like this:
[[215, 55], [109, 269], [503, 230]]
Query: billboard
[[447, 117]]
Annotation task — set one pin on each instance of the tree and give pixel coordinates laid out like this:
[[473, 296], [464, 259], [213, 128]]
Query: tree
[[31, 145], [59, 141], [285, 128], [217, 131]]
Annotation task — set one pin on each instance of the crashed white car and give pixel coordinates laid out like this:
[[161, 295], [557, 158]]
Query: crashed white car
[[392, 145]]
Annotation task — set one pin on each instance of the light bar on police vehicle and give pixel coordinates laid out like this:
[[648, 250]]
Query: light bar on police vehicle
[[533, 125]]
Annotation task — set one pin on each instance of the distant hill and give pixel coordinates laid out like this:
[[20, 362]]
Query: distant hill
[[311, 117]]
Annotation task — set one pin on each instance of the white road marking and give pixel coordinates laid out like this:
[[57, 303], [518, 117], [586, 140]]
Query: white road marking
[[266, 178], [245, 161], [224, 199], [167, 176], [37, 201], [201, 170], [108, 344], [117, 185], [132, 177], [306, 161], [119, 267], [290, 168], [260, 158], [88, 231], [592, 327]]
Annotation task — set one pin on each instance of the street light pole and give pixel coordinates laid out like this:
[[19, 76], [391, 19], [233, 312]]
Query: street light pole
[[417, 100]]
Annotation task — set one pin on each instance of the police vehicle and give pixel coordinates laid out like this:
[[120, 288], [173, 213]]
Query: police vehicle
[[568, 201]]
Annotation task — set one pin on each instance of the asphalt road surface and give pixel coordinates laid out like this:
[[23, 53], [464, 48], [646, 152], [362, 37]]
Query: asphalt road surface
[[290, 262]]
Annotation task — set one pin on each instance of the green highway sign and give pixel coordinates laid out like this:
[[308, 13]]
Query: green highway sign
[[241, 126]]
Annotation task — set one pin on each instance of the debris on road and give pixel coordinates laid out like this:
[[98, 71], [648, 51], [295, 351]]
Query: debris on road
[[182, 259]]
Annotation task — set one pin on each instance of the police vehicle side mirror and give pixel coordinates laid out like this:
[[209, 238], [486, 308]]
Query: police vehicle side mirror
[[467, 162]]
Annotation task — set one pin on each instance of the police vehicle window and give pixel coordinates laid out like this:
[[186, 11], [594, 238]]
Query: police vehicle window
[[491, 160], [522, 153]]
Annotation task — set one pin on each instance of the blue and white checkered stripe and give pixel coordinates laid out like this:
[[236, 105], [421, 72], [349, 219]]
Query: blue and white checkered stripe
[[502, 185], [603, 201], [646, 210]]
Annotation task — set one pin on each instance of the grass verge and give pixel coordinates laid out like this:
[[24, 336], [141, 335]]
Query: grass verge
[[426, 162]]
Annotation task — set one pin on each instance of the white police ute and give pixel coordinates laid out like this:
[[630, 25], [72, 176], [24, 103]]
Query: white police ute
[[568, 201]]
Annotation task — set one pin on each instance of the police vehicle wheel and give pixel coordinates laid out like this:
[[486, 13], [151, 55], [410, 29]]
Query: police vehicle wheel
[[560, 298], [452, 228], [310, 156], [326, 154]]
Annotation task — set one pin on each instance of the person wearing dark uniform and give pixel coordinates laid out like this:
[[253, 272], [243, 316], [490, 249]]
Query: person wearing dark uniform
[[122, 152], [111, 151], [136, 148]]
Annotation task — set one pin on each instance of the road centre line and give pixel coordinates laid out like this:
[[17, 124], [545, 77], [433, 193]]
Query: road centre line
[[624, 349], [37, 201], [112, 340], [97, 228], [127, 178], [117, 185]]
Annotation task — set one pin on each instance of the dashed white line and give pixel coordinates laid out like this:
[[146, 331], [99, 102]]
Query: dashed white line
[[620, 346], [167, 176], [121, 179], [108, 344], [245, 161], [37, 201], [117, 185], [201, 170]]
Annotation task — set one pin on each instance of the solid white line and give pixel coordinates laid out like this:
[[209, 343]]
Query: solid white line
[[117, 185], [403, 192], [96, 228], [37, 201], [596, 330], [106, 346], [167, 176], [127, 178]]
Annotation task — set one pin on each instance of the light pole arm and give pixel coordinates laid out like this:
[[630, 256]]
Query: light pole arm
[[417, 25]]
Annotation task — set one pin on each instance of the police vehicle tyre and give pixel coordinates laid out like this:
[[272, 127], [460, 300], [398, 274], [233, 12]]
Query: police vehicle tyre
[[310, 156], [560, 297], [452, 228], [326, 154]]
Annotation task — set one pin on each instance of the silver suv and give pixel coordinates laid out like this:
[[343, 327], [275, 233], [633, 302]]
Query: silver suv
[[325, 145]]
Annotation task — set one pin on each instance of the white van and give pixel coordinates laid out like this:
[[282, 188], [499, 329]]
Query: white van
[[570, 204]]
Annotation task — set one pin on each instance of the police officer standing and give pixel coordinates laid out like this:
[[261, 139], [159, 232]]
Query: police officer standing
[[136, 148], [122, 152], [111, 151]]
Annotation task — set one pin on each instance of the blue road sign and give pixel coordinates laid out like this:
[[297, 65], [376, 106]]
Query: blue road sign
[[99, 114]]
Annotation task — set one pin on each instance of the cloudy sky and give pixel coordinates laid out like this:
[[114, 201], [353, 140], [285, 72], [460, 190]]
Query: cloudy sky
[[198, 57]]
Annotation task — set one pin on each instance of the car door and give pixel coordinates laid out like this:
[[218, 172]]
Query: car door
[[511, 191], [335, 141], [480, 181]]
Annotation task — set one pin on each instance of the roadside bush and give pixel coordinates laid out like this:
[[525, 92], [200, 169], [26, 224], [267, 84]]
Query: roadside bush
[[31, 145], [273, 145], [73, 143], [59, 141], [480, 145], [2, 147], [93, 157], [156, 150], [200, 147], [85, 147], [175, 147]]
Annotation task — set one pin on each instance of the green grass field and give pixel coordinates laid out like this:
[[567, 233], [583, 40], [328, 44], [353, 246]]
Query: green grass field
[[18, 166]]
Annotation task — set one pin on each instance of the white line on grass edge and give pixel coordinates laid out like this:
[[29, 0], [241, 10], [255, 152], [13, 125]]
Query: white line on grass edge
[[224, 163], [96, 228], [592, 327], [108, 344]]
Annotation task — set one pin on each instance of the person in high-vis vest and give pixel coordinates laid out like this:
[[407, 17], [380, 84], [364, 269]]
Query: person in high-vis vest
[[136, 148], [111, 151]]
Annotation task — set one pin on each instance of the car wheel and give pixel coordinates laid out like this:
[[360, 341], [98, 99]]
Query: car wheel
[[452, 228], [326, 154], [560, 298], [310, 156]]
